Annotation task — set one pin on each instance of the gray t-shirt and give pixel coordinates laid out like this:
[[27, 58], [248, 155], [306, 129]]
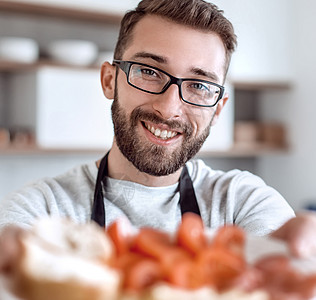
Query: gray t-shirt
[[234, 197]]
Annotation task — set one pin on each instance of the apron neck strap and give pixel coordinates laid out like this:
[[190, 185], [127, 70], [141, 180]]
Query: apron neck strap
[[188, 202], [98, 210]]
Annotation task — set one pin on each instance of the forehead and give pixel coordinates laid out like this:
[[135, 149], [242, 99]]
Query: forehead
[[182, 47]]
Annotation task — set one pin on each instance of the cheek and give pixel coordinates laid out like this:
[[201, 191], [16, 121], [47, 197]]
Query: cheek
[[130, 98], [200, 118]]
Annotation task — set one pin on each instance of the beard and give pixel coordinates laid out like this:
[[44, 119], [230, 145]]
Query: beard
[[147, 157]]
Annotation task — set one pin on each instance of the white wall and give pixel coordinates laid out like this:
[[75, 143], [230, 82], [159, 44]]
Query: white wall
[[103, 5], [294, 174], [262, 29]]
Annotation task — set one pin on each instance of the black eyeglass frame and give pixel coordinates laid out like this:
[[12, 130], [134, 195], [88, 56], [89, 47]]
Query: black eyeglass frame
[[126, 65]]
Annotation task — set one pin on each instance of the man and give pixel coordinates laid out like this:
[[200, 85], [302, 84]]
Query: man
[[167, 81]]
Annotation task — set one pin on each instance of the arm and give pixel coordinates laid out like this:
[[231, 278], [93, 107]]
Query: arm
[[23, 207], [258, 208]]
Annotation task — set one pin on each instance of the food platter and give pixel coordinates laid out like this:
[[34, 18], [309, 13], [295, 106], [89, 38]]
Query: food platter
[[79, 252]]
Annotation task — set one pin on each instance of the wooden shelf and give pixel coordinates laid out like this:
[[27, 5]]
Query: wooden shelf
[[13, 66], [261, 85], [237, 151], [47, 10], [35, 150], [246, 151]]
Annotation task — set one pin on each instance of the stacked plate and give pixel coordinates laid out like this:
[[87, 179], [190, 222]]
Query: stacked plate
[[74, 52], [19, 49]]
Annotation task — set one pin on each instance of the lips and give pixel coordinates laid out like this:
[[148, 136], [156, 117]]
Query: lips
[[161, 133]]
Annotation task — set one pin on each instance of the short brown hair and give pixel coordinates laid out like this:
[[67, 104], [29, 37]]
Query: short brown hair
[[197, 14]]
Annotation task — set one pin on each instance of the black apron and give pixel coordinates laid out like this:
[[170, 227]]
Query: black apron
[[188, 202]]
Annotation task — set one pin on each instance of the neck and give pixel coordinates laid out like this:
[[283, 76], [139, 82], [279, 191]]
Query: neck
[[120, 168]]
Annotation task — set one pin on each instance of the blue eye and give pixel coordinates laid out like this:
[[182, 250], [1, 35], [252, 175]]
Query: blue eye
[[148, 72], [199, 86]]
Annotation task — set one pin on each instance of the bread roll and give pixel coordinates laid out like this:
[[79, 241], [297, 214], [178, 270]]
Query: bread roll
[[59, 259]]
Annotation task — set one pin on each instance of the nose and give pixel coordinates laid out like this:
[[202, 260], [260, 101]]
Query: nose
[[168, 104]]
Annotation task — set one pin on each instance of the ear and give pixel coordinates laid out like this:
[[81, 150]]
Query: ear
[[219, 108], [108, 80]]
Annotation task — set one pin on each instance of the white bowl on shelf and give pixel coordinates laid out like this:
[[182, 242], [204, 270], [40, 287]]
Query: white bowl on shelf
[[19, 49], [74, 52]]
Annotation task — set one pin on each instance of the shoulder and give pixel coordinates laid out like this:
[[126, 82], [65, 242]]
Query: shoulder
[[231, 183], [84, 174], [55, 195], [199, 171], [238, 197]]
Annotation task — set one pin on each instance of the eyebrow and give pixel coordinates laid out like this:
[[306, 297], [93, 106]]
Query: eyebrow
[[211, 75], [155, 57], [163, 60]]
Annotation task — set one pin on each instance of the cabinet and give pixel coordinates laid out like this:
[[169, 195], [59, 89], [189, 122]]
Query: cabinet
[[61, 22]]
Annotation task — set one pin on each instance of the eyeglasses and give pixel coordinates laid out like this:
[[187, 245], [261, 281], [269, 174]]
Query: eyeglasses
[[155, 81]]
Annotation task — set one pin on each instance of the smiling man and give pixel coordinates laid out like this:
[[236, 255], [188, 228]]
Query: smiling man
[[154, 129], [167, 81]]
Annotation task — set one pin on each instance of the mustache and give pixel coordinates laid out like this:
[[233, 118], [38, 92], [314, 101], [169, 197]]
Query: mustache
[[139, 114]]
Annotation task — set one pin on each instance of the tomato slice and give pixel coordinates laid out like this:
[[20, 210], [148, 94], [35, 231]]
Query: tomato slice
[[231, 238], [308, 286], [173, 256], [249, 280], [184, 274], [152, 243], [121, 234], [142, 274], [274, 263], [284, 285], [126, 260], [219, 266], [191, 233], [282, 281]]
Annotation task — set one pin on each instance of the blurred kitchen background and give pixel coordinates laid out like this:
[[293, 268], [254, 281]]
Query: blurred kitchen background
[[53, 114]]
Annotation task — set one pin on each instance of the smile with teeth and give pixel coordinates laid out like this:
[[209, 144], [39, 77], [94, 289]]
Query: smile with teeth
[[163, 134]]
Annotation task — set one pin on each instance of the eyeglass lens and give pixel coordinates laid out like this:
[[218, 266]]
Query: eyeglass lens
[[155, 81]]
